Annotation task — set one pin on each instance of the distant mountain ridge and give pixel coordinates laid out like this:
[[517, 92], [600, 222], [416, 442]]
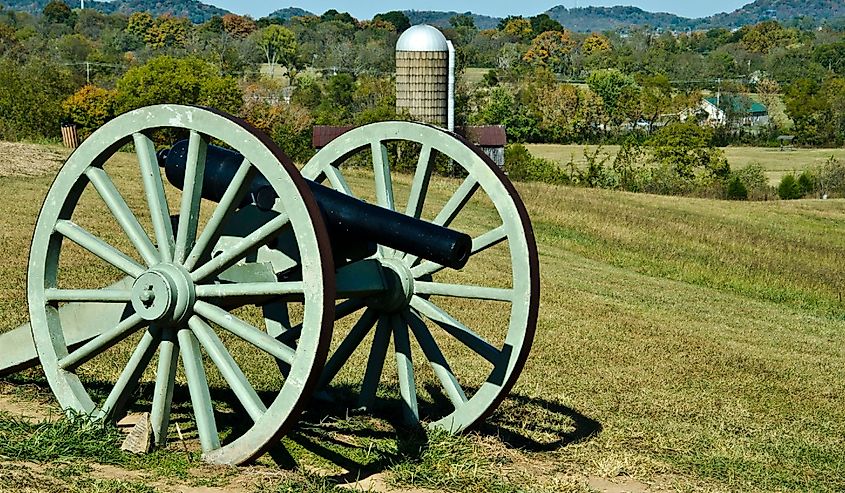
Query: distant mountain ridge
[[583, 19], [441, 19], [194, 10]]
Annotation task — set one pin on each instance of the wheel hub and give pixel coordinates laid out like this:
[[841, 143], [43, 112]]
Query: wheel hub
[[400, 286], [164, 293]]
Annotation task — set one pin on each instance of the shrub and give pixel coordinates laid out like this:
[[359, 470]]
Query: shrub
[[520, 165], [687, 148], [166, 79], [288, 125], [789, 188], [830, 178], [736, 189], [754, 178], [807, 183], [31, 98], [89, 108]]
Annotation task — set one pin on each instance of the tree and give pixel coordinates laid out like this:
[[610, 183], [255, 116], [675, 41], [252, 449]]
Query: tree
[[831, 56], [517, 27], [551, 49], [278, 44], [395, 17], [333, 15], [58, 12], [168, 31], [789, 189], [612, 86], [501, 108], [542, 23], [596, 44], [656, 97], [462, 20], [687, 148], [767, 35], [139, 24], [238, 26]]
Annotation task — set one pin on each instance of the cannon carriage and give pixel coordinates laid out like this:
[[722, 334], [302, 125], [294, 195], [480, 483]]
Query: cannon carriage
[[248, 274]]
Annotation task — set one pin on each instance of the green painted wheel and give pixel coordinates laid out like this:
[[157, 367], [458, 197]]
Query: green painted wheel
[[473, 328], [169, 297]]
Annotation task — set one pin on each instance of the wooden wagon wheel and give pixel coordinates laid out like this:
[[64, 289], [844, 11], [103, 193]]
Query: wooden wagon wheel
[[170, 297], [419, 293]]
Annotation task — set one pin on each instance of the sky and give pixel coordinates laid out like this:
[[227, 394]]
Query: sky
[[498, 8]]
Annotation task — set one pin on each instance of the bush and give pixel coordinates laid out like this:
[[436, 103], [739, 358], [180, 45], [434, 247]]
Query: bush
[[520, 165], [31, 98], [830, 178], [736, 189], [687, 148], [288, 125], [166, 79], [89, 108], [789, 188], [754, 178], [807, 183]]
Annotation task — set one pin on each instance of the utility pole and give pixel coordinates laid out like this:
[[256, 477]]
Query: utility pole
[[88, 71], [82, 4]]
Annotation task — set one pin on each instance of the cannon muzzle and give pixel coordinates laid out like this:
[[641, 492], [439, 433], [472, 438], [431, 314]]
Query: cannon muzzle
[[348, 219]]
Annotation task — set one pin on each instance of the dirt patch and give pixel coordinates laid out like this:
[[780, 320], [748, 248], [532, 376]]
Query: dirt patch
[[19, 159]]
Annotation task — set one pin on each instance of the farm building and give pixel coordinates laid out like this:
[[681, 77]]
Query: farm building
[[741, 109]]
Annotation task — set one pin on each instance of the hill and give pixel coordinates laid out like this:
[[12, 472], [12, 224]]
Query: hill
[[441, 19], [287, 13], [194, 10], [590, 19], [782, 10]]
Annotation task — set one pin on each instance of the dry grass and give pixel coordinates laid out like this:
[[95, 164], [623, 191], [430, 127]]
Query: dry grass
[[692, 344], [776, 162]]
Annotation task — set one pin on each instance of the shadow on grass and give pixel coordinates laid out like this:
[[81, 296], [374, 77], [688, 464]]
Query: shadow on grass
[[367, 443]]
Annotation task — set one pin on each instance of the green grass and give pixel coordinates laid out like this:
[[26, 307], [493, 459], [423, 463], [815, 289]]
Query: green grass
[[693, 344], [776, 162]]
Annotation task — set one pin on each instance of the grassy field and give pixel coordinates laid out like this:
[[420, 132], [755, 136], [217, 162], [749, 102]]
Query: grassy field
[[682, 345], [776, 162]]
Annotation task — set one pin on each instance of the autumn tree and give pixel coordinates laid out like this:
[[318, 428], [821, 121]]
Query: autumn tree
[[551, 49], [90, 108], [168, 31], [596, 44], [765, 36], [517, 27], [278, 44], [238, 26], [139, 24]]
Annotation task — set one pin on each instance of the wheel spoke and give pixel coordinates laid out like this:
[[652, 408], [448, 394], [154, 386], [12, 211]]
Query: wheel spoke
[[228, 368], [168, 359], [128, 379], [189, 210], [156, 200], [453, 206], [436, 359], [463, 291], [99, 247], [405, 369], [245, 331], [232, 197], [349, 344], [381, 167], [419, 187], [249, 289], [237, 251], [479, 244], [198, 388], [123, 215], [342, 310], [375, 363], [102, 342], [457, 330], [457, 202], [88, 295], [337, 180]]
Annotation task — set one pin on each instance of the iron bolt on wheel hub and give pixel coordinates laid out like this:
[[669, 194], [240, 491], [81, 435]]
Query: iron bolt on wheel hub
[[163, 294]]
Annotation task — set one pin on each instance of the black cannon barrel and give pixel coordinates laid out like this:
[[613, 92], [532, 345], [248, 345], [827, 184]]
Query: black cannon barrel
[[347, 218]]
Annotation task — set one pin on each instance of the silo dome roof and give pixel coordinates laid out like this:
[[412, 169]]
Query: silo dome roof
[[422, 37]]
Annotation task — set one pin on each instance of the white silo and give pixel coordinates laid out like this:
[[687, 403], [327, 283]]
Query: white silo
[[425, 75]]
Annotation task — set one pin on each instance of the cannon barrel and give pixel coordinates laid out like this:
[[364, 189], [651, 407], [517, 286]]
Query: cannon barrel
[[348, 219]]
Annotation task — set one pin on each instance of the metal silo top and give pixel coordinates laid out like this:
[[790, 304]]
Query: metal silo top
[[422, 37]]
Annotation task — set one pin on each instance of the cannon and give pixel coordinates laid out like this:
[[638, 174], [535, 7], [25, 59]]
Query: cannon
[[253, 283]]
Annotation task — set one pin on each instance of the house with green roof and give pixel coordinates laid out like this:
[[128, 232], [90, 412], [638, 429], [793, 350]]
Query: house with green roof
[[737, 109]]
